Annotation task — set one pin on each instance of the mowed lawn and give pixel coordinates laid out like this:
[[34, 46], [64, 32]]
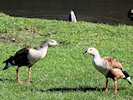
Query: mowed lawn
[[65, 73]]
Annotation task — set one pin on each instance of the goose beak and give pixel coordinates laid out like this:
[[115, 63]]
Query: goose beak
[[85, 52], [57, 44]]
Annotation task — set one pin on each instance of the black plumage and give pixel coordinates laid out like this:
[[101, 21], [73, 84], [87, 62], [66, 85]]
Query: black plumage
[[19, 59]]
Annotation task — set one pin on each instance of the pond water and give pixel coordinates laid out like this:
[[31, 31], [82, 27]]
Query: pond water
[[105, 11]]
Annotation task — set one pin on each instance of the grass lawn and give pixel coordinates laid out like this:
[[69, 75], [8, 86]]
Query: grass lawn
[[65, 73]]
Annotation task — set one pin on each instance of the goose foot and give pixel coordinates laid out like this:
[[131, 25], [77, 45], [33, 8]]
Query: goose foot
[[20, 82]]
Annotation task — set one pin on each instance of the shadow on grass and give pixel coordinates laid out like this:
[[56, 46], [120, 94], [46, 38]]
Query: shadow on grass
[[67, 89], [12, 80], [6, 79], [83, 89]]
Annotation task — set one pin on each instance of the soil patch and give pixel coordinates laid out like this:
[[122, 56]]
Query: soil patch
[[6, 40]]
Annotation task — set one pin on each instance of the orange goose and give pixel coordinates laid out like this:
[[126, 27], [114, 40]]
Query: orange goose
[[27, 57], [109, 67]]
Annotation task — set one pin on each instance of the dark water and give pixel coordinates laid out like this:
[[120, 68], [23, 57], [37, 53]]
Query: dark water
[[105, 11]]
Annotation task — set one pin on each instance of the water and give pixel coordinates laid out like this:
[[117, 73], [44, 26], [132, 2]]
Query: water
[[105, 11]]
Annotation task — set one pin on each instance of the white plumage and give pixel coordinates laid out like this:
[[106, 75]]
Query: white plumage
[[35, 55], [72, 17], [98, 62]]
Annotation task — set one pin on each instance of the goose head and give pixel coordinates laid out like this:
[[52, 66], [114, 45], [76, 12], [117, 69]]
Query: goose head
[[52, 43], [49, 43], [71, 12], [92, 51]]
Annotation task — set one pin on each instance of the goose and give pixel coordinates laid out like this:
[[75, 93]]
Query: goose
[[109, 67], [27, 57], [72, 17]]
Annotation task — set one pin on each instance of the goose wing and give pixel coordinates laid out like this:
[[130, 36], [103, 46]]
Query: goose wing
[[20, 57], [113, 62]]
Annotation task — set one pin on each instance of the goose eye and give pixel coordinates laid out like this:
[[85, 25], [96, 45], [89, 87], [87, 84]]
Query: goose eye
[[90, 49]]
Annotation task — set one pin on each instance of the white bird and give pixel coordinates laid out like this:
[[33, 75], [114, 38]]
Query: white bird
[[109, 67], [27, 57], [72, 17]]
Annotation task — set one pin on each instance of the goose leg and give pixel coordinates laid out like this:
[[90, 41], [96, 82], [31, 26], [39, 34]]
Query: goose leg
[[106, 87], [29, 72], [17, 76], [117, 76], [115, 86]]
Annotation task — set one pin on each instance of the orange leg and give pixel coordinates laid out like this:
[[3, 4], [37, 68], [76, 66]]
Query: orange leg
[[106, 87], [29, 72], [17, 77], [115, 86]]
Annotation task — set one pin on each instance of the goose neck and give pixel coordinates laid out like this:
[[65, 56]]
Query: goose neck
[[97, 56], [44, 48]]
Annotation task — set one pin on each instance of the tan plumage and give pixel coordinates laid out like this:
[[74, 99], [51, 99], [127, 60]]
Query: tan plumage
[[109, 67], [113, 62]]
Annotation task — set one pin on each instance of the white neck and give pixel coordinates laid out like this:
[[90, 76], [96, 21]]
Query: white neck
[[43, 50], [97, 55], [34, 55], [97, 58], [101, 64]]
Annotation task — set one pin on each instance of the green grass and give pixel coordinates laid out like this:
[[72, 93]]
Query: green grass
[[65, 73]]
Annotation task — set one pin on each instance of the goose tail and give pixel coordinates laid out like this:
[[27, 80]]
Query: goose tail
[[127, 77], [129, 80], [8, 63]]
